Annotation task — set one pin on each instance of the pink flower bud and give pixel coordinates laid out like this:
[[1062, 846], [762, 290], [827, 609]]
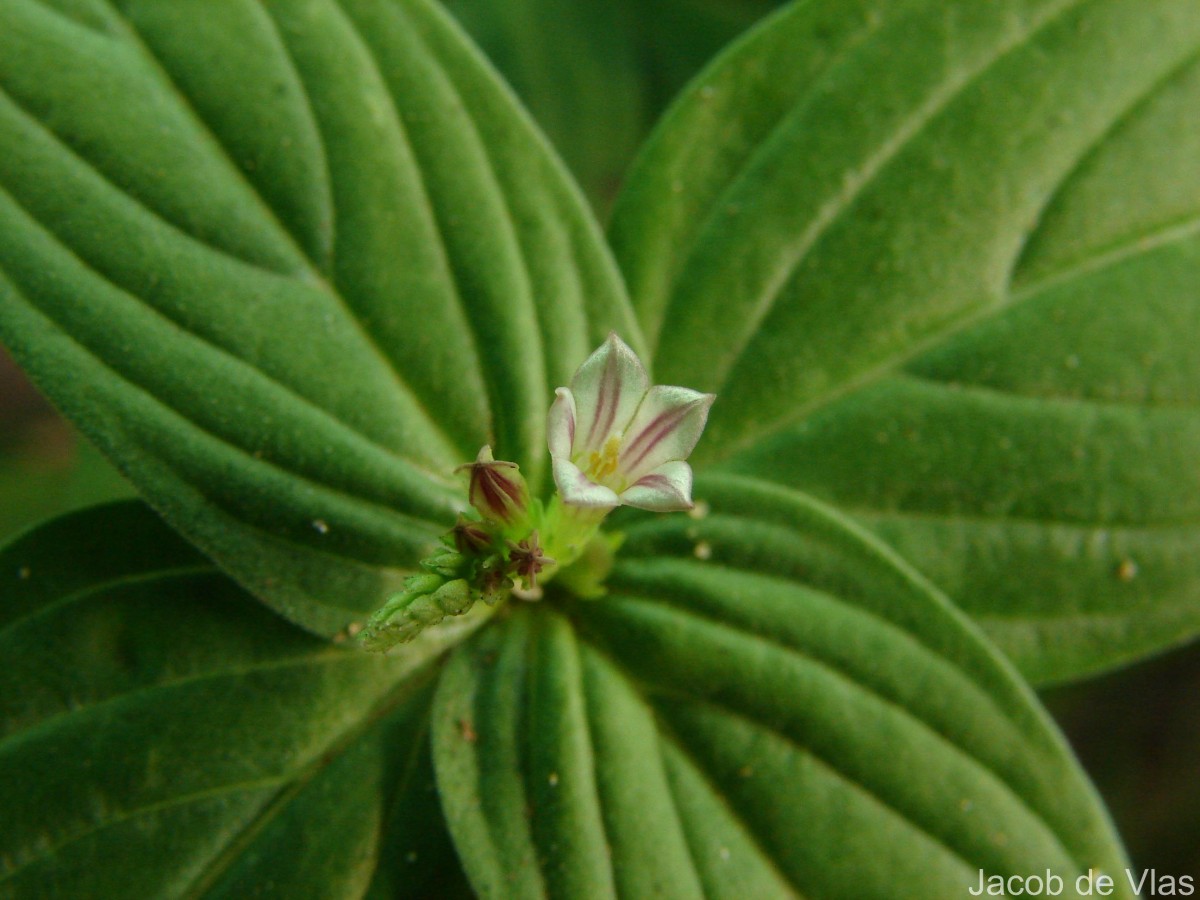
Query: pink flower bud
[[470, 538], [498, 491]]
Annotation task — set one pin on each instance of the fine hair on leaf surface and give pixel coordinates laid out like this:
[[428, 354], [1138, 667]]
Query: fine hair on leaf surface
[[713, 552]]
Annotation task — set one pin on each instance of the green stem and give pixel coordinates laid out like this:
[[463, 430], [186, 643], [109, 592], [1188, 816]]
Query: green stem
[[567, 530]]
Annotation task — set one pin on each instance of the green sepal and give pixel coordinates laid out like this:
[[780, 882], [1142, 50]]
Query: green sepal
[[448, 565], [429, 599], [585, 577]]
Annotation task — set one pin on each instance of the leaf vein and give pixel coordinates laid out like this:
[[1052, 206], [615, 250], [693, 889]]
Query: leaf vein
[[1085, 157], [138, 813], [324, 656], [864, 175], [91, 590], [369, 339], [436, 481]]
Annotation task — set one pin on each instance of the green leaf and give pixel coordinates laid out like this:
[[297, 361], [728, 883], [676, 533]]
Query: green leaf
[[768, 703], [939, 262], [596, 74], [575, 65], [680, 37], [161, 734], [288, 264]]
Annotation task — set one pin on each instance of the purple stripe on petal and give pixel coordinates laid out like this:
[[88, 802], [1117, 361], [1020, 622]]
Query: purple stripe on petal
[[655, 481], [606, 405], [662, 426], [601, 401], [608, 388], [666, 489], [633, 445]]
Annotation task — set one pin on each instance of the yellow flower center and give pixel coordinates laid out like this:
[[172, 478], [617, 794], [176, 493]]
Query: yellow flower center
[[601, 465]]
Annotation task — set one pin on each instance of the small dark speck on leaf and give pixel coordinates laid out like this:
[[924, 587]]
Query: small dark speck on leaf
[[745, 771], [23, 573], [467, 731], [1127, 570]]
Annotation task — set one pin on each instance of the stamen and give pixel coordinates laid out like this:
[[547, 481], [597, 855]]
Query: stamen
[[604, 463]]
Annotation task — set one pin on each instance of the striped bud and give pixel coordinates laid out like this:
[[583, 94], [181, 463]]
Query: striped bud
[[498, 491]]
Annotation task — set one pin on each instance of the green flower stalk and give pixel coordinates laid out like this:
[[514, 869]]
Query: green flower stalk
[[614, 440]]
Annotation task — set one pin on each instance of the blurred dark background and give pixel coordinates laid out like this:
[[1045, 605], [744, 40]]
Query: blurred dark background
[[1137, 733], [597, 74]]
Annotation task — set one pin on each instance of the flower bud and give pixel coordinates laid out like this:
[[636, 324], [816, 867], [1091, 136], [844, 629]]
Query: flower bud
[[527, 559], [470, 538], [448, 564], [498, 491], [493, 581]]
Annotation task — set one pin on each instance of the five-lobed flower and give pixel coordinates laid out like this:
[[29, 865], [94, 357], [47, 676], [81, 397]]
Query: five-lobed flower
[[615, 440]]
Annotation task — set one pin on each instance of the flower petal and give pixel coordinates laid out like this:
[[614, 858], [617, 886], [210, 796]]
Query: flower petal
[[666, 426], [667, 489], [607, 389], [577, 489], [560, 424]]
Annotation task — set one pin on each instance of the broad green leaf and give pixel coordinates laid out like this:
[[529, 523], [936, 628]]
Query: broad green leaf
[[288, 264], [161, 734], [940, 263], [575, 65], [680, 37], [768, 703], [596, 74]]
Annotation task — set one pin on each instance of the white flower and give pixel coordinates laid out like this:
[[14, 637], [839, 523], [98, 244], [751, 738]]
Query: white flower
[[615, 440]]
